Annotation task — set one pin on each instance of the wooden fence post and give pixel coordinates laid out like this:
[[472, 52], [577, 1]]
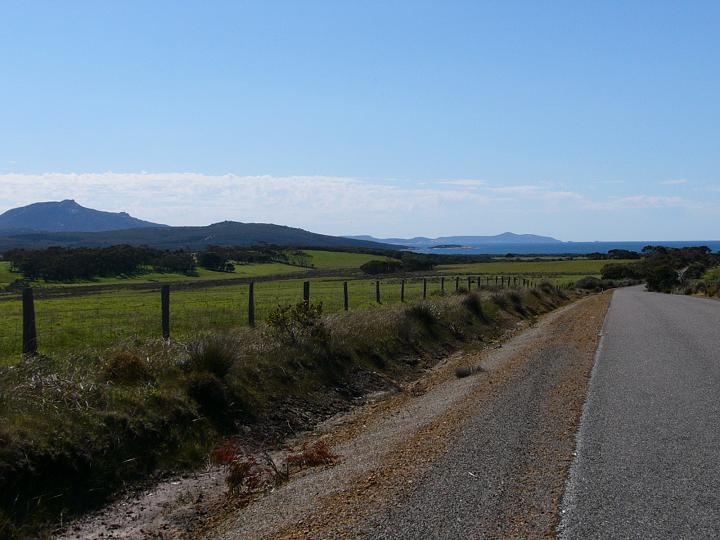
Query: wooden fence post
[[29, 328], [251, 304], [424, 288], [402, 291], [306, 291], [346, 299], [496, 280], [469, 279], [442, 284], [165, 302], [377, 291], [457, 283]]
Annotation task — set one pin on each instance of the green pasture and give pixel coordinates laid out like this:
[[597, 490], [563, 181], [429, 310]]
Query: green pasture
[[338, 259], [6, 276], [324, 260], [71, 323]]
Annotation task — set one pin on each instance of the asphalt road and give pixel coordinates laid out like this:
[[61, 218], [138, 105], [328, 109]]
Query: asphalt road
[[505, 474], [648, 461]]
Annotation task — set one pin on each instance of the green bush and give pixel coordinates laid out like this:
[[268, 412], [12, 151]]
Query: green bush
[[382, 267], [299, 323]]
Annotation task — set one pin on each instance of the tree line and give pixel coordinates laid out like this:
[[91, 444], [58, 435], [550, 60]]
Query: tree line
[[61, 264]]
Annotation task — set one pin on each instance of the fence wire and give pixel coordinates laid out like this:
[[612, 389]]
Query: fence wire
[[99, 320]]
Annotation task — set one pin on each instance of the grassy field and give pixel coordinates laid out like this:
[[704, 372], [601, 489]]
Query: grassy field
[[577, 267], [335, 259], [72, 323], [6, 276], [712, 275], [323, 260], [99, 320]]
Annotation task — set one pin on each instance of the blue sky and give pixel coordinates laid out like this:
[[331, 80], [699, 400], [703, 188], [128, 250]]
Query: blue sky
[[580, 120]]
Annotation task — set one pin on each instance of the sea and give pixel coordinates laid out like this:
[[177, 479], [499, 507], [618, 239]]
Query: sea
[[564, 248]]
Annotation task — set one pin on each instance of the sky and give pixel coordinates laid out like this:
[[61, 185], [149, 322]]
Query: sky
[[579, 120]]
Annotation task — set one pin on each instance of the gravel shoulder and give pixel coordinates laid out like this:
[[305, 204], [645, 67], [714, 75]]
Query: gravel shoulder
[[484, 456]]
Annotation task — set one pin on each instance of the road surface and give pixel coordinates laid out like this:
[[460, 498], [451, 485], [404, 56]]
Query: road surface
[[648, 461]]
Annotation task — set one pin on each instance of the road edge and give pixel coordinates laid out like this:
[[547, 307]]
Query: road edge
[[569, 498]]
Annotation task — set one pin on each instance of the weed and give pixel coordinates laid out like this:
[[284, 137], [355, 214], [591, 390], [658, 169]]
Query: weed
[[126, 368], [425, 313], [214, 353], [296, 323], [473, 303], [466, 371], [313, 455], [501, 301]]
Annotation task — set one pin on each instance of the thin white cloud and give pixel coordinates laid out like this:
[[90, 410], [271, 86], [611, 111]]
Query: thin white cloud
[[464, 183], [677, 182], [638, 201], [334, 205]]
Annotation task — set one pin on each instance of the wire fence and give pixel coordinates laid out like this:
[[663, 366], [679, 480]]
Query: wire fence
[[121, 316]]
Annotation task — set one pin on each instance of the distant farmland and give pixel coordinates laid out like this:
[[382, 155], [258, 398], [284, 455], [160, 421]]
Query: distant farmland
[[95, 321]]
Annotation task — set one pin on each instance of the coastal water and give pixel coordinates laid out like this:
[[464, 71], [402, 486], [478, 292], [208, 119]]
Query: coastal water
[[569, 248]]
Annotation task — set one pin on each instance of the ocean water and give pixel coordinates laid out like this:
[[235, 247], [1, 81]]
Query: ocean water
[[569, 248]]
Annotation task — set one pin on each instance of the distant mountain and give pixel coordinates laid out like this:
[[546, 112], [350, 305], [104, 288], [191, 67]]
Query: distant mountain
[[67, 216], [227, 233], [504, 238]]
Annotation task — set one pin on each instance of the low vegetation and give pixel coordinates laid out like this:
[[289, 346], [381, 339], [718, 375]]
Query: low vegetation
[[76, 428], [665, 269]]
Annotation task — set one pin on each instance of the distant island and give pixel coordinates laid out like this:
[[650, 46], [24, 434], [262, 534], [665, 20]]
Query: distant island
[[455, 242]]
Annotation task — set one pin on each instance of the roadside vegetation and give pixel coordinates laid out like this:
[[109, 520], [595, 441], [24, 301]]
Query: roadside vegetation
[[670, 269], [77, 427]]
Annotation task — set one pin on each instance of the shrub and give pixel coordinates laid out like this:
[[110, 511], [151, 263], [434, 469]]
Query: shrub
[[473, 303], [298, 323], [517, 303], [588, 283], [500, 300], [621, 271], [214, 353], [212, 398], [312, 455], [426, 314], [382, 267], [661, 278], [126, 368]]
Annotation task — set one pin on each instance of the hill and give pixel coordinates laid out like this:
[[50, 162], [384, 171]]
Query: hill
[[67, 216], [504, 238], [227, 233]]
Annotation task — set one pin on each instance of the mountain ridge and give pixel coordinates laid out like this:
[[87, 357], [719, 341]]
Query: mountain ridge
[[68, 216], [225, 233]]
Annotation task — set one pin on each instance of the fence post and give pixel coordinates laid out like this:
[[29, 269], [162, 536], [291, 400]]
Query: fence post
[[346, 299], [377, 291], [29, 328], [469, 282], [402, 291], [479, 279], [457, 283], [251, 304], [496, 280], [165, 302], [424, 288], [442, 284], [306, 291]]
